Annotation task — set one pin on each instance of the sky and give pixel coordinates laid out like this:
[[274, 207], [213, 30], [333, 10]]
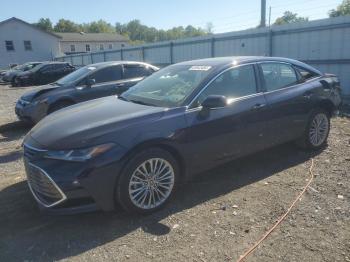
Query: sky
[[225, 15]]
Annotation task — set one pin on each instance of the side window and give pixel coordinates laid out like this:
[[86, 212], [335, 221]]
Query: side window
[[46, 69], [108, 74], [305, 74], [278, 75], [134, 71], [234, 83]]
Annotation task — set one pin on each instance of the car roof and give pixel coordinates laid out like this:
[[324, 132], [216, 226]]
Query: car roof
[[237, 60], [111, 63]]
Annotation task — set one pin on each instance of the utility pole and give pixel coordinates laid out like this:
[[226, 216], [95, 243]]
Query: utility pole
[[263, 14]]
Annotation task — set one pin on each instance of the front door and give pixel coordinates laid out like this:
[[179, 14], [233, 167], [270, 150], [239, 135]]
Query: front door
[[232, 131], [107, 82]]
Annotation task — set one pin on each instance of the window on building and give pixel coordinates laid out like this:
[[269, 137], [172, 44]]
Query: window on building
[[27, 45], [87, 48], [122, 45], [72, 48], [101, 47], [9, 46], [110, 46]]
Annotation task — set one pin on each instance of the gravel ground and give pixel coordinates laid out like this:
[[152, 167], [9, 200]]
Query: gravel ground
[[216, 217]]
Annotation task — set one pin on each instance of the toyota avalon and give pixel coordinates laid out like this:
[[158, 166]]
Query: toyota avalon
[[134, 149]]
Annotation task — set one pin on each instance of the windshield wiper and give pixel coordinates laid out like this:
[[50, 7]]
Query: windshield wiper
[[140, 102], [123, 98]]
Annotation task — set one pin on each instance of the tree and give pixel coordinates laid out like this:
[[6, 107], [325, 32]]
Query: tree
[[100, 26], [289, 17], [67, 26], [342, 9], [44, 24]]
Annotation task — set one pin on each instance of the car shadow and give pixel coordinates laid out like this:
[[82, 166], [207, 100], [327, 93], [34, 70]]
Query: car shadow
[[14, 130], [27, 234]]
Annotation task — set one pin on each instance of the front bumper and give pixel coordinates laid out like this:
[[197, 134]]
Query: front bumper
[[29, 112], [64, 187]]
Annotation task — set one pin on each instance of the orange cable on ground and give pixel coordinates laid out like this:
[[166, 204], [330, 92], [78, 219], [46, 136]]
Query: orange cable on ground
[[249, 251]]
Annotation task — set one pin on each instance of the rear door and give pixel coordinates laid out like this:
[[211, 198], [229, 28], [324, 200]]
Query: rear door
[[288, 101], [44, 75], [231, 131]]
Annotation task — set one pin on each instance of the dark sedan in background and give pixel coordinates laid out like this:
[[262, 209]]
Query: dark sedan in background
[[11, 74], [135, 149], [89, 82], [42, 74]]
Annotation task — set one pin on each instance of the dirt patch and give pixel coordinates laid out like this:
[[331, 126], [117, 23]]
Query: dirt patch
[[216, 217]]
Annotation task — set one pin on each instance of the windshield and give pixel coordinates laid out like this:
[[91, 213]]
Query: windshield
[[76, 75], [168, 87]]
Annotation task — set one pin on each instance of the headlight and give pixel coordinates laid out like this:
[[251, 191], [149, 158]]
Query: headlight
[[79, 155]]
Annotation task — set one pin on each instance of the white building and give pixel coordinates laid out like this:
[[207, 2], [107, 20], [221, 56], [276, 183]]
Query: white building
[[22, 42], [74, 43]]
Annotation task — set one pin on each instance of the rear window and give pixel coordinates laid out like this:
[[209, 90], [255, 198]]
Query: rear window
[[305, 74], [135, 71]]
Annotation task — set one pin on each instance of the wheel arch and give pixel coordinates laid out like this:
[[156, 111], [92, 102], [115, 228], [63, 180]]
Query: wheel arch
[[327, 105], [60, 100], [162, 144]]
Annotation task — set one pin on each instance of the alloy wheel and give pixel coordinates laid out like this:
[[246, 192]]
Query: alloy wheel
[[151, 183], [319, 129]]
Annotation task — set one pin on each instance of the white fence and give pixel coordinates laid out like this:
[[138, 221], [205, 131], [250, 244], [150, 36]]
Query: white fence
[[324, 44]]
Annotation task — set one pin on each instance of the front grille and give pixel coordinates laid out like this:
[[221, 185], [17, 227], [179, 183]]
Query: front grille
[[42, 186]]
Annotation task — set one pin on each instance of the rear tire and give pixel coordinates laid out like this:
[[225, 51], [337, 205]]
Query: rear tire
[[59, 105], [317, 130], [148, 181]]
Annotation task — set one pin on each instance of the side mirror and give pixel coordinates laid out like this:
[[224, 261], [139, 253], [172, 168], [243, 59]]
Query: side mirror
[[90, 82], [214, 101]]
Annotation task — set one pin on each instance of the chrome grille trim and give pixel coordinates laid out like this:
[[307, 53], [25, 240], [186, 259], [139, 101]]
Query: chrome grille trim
[[37, 198]]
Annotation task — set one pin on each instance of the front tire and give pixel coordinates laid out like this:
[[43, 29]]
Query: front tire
[[148, 181], [317, 130]]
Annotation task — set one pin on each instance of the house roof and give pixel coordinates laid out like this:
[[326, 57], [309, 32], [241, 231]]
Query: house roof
[[91, 37], [28, 24]]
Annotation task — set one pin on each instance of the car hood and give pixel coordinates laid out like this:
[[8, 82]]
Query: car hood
[[92, 122], [11, 72], [31, 95]]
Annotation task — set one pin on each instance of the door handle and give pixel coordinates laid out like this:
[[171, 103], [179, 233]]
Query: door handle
[[258, 106]]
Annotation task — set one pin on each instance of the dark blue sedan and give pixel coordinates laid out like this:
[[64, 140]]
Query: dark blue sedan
[[135, 149]]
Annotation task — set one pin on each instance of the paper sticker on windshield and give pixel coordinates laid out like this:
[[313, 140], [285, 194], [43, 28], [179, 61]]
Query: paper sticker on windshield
[[199, 68], [91, 68]]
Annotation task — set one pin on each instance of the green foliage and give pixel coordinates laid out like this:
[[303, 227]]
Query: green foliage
[[289, 17], [44, 24], [133, 30], [138, 32], [67, 26], [342, 9], [100, 26]]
